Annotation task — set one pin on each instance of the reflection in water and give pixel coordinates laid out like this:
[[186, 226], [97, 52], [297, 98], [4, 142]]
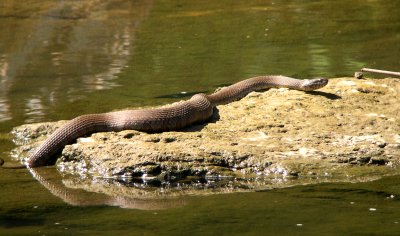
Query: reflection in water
[[52, 52], [3, 69], [56, 58], [62, 50], [319, 58], [50, 179], [74, 49], [119, 51], [34, 109], [145, 194], [5, 113]]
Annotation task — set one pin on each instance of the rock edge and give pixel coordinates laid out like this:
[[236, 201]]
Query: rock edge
[[348, 130]]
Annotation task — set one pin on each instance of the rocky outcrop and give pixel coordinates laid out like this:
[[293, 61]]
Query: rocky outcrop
[[347, 131]]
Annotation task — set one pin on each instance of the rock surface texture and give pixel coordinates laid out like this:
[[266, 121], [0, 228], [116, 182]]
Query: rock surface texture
[[346, 131]]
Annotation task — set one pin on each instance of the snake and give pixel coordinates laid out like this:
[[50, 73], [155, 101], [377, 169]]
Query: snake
[[199, 108]]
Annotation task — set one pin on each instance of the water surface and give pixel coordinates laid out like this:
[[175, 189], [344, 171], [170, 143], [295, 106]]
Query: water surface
[[60, 59]]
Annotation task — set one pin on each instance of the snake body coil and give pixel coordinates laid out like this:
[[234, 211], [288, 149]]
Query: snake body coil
[[199, 108]]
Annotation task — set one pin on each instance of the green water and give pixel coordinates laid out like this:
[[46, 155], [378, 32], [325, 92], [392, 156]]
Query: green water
[[60, 59], [326, 209]]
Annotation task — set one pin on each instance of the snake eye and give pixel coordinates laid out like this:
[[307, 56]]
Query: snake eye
[[321, 81], [313, 84]]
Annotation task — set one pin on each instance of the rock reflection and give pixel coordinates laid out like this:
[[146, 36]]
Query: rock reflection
[[69, 190], [144, 194]]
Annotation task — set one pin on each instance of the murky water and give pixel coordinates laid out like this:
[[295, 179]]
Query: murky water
[[60, 59]]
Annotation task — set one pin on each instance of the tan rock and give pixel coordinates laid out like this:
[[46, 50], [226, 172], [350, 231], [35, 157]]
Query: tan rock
[[346, 131]]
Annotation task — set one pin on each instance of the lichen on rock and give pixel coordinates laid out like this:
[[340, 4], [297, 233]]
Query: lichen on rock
[[346, 131]]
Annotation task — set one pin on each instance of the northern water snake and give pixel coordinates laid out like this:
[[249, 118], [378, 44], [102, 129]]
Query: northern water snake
[[198, 108]]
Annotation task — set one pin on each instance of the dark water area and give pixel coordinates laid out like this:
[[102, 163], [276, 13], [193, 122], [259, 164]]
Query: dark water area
[[326, 209], [61, 59]]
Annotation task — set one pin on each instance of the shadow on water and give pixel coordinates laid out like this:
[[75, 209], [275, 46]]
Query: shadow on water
[[10, 219]]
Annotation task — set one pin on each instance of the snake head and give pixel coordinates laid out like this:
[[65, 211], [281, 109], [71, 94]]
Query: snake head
[[313, 84]]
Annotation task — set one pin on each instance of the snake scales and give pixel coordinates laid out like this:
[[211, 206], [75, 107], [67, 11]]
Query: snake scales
[[198, 108]]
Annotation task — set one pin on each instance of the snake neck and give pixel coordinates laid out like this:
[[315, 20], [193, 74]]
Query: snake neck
[[197, 109], [241, 89]]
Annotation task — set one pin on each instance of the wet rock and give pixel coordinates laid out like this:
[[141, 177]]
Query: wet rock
[[347, 130]]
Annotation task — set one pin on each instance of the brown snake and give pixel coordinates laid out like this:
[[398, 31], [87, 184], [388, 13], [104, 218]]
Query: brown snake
[[198, 108]]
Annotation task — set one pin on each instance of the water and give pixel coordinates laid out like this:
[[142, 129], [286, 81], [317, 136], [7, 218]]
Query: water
[[60, 59], [327, 209]]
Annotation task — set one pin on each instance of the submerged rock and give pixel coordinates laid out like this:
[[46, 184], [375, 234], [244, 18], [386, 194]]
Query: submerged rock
[[346, 131]]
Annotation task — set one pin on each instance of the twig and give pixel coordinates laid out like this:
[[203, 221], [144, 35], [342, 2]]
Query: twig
[[385, 72]]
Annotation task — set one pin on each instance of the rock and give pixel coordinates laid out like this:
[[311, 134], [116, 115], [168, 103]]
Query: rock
[[358, 75], [347, 131]]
